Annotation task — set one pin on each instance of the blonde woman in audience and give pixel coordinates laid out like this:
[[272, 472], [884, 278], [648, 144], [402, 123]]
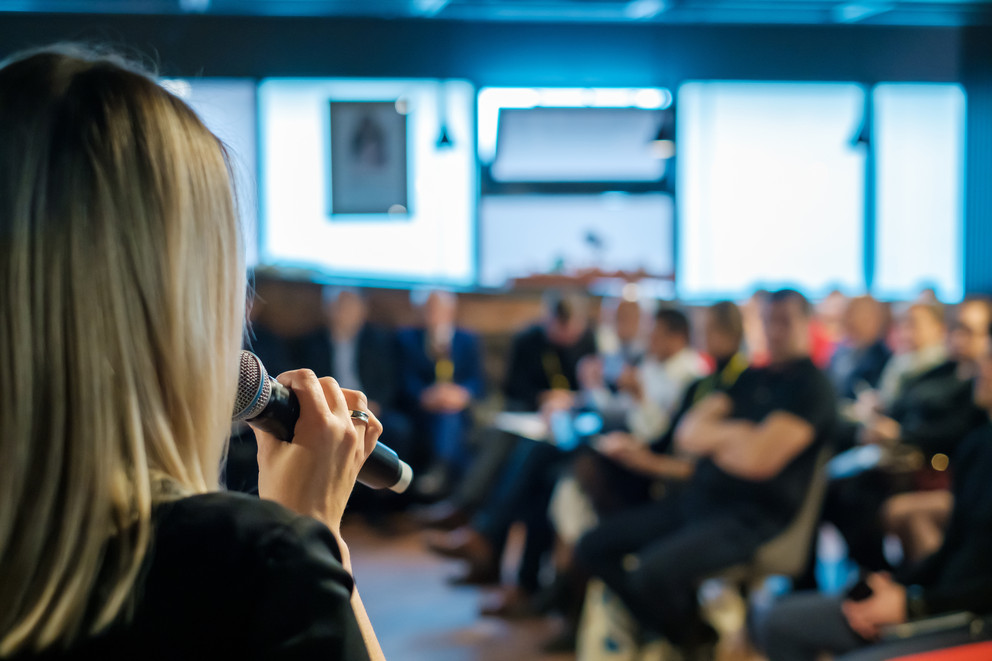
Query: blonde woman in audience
[[122, 294]]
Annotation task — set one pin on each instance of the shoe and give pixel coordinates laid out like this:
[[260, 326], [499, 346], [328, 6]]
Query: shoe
[[433, 484], [467, 544], [510, 603], [444, 515], [477, 576], [462, 544]]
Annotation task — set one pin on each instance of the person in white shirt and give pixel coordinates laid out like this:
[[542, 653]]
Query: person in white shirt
[[648, 394]]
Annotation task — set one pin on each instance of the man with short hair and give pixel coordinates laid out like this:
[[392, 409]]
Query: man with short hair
[[757, 447]]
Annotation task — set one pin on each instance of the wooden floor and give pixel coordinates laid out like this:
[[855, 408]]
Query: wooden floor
[[419, 617]]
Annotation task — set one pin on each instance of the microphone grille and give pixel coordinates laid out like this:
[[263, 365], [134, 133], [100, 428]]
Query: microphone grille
[[253, 387]]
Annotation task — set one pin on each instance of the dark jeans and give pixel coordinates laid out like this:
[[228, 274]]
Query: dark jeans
[[805, 625], [477, 484], [523, 493], [655, 556], [854, 505]]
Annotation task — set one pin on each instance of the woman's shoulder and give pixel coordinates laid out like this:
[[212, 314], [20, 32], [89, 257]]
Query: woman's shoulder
[[278, 575], [229, 520]]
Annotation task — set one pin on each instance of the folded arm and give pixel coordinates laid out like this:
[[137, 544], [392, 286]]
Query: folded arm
[[753, 451]]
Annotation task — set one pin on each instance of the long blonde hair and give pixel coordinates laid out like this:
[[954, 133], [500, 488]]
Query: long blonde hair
[[121, 309]]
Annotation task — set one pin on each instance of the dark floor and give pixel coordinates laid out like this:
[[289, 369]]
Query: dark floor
[[419, 617]]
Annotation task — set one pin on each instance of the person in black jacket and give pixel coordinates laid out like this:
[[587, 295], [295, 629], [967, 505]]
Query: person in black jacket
[[123, 308], [543, 361], [958, 577]]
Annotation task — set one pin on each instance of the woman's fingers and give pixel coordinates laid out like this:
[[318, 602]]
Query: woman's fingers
[[369, 431]]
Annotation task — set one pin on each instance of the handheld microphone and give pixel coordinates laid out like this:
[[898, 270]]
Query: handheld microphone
[[274, 408]]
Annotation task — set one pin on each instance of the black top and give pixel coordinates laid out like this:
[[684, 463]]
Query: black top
[[799, 388], [959, 576], [535, 361], [229, 576], [935, 410]]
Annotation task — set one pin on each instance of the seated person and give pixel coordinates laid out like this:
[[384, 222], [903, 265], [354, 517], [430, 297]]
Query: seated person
[[622, 469], [358, 354], [534, 466], [757, 447], [931, 413], [921, 339], [862, 355], [441, 374], [648, 394], [544, 357], [620, 342], [541, 375], [958, 577]]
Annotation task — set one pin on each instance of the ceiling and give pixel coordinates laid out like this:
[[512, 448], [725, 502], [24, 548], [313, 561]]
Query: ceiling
[[875, 12]]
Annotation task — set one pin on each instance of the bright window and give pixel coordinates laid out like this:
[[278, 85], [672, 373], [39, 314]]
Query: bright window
[[434, 242], [919, 145], [227, 107], [770, 189]]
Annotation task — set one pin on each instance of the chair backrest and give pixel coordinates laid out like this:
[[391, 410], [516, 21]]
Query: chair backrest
[[788, 552]]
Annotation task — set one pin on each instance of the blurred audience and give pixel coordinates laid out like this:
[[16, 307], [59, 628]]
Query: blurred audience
[[441, 376], [649, 394], [644, 396], [541, 374], [756, 447], [929, 411], [622, 470], [957, 577]]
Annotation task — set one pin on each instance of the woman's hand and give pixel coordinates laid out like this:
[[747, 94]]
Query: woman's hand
[[315, 474]]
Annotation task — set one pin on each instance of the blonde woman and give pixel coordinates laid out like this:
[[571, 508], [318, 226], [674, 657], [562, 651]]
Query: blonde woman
[[121, 310]]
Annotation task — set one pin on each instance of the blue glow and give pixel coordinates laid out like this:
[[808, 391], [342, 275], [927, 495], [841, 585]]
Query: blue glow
[[919, 137]]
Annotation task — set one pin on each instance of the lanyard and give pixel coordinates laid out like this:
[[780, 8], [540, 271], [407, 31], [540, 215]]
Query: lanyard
[[725, 378], [554, 372]]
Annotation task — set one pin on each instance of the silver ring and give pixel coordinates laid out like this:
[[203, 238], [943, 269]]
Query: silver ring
[[360, 415]]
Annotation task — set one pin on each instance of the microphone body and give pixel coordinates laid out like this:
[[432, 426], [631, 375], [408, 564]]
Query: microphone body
[[274, 408]]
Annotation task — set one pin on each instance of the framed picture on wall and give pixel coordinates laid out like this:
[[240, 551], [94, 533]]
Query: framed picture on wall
[[368, 158]]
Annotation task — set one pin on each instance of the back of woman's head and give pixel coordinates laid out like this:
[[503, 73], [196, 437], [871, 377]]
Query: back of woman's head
[[121, 305]]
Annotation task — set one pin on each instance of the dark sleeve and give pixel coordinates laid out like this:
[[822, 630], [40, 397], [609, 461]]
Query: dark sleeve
[[813, 400], [377, 365], [303, 596], [414, 373], [470, 370], [974, 596], [519, 386], [942, 432]]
